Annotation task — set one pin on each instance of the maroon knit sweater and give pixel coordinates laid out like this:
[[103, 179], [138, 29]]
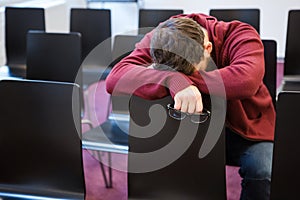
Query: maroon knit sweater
[[238, 54]]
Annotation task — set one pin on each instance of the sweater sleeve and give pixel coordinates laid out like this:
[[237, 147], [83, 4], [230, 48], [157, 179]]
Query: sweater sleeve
[[131, 76]]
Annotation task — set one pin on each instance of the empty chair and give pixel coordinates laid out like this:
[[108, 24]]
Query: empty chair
[[250, 16], [112, 135], [292, 48], [164, 159], [291, 63], [41, 153], [150, 18], [286, 162], [17, 23], [54, 56], [94, 25]]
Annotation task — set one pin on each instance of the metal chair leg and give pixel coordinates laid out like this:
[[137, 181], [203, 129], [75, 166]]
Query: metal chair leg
[[108, 182]]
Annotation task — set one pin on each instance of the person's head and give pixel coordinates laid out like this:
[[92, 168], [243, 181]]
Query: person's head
[[179, 44]]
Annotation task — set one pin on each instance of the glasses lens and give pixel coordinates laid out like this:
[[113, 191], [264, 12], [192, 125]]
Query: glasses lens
[[198, 118], [176, 114]]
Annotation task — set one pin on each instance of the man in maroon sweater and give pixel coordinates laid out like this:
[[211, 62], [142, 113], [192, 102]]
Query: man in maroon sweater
[[237, 51]]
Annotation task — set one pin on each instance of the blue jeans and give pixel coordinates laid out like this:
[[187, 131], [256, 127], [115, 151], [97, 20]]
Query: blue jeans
[[255, 161]]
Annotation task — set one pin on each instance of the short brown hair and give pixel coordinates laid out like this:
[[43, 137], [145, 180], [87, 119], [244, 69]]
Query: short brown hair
[[177, 44]]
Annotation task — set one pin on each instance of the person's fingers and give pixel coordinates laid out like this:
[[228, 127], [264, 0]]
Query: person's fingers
[[192, 107], [184, 106], [177, 103], [188, 100], [199, 106]]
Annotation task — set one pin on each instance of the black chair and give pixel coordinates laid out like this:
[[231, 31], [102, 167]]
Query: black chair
[[165, 159], [270, 77], [18, 21], [150, 18], [54, 57], [41, 151], [94, 25], [286, 152], [250, 16], [112, 135], [291, 63], [123, 45]]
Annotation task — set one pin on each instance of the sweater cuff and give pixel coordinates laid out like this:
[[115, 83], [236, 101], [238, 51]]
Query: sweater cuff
[[177, 82]]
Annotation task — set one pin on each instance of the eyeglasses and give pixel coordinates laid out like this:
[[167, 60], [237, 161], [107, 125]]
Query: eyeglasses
[[196, 118]]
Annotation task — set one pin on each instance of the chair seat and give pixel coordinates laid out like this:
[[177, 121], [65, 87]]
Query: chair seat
[[111, 136], [15, 192], [291, 86], [93, 74]]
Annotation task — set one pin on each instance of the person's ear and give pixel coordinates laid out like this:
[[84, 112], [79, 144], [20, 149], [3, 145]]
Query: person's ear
[[208, 46]]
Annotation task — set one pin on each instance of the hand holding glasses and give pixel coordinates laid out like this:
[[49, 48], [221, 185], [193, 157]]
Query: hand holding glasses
[[196, 118]]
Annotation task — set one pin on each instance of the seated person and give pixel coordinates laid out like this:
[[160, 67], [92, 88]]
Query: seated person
[[237, 51]]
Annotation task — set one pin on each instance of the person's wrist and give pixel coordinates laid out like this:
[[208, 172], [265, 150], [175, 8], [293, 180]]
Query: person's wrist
[[177, 82]]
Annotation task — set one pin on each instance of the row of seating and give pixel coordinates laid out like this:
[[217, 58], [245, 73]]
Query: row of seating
[[41, 151], [93, 24]]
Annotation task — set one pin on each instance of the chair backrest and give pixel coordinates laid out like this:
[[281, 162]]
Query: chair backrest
[[40, 145], [54, 56], [250, 16], [150, 18], [123, 45], [163, 157], [286, 162], [270, 78], [94, 25], [292, 47], [18, 21]]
